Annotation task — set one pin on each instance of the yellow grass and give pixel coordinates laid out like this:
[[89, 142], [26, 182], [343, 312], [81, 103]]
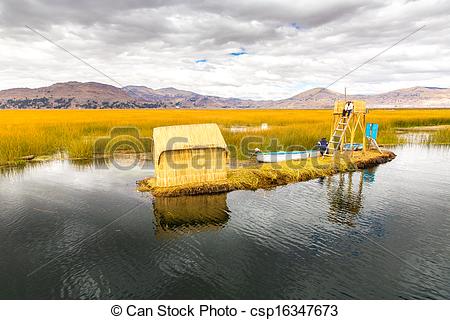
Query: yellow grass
[[441, 136], [45, 132]]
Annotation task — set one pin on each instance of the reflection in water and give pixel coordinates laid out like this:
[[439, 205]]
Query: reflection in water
[[83, 164], [182, 215], [275, 245], [345, 198], [415, 137], [119, 161], [10, 171], [369, 175]]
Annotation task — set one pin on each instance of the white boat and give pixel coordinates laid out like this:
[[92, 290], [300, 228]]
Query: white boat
[[314, 153], [282, 156]]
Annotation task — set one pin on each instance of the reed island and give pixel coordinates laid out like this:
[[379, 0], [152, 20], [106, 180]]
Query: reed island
[[194, 159], [268, 175]]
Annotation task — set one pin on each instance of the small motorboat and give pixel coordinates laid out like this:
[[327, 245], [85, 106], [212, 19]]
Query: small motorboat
[[314, 153], [282, 156]]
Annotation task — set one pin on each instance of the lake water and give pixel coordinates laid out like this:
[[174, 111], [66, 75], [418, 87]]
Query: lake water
[[71, 231]]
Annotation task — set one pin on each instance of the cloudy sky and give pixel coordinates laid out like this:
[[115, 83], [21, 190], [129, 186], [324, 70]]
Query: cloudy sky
[[260, 49]]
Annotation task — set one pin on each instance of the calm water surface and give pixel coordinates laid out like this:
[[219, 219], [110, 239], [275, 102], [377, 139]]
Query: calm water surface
[[73, 231]]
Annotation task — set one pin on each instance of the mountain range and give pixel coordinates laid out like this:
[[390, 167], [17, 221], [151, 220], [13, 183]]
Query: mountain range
[[93, 95]]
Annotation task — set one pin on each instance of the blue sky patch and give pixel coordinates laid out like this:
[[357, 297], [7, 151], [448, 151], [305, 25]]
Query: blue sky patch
[[296, 25], [238, 53], [201, 60]]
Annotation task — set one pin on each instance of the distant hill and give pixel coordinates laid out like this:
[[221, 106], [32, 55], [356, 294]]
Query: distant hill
[[92, 95], [410, 97], [70, 95], [186, 99]]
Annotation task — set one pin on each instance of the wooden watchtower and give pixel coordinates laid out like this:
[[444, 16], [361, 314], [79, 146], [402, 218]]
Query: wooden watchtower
[[344, 128]]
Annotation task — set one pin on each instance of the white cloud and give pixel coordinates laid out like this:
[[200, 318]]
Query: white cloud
[[291, 45]]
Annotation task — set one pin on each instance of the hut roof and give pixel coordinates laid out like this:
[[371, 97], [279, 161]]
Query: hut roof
[[183, 137]]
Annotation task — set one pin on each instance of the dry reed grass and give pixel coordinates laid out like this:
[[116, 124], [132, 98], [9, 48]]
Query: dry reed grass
[[441, 136], [45, 132], [189, 153], [268, 176], [175, 167]]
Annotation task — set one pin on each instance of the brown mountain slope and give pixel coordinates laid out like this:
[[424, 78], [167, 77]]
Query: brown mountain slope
[[68, 95], [313, 98], [98, 95], [186, 99], [410, 97], [72, 89]]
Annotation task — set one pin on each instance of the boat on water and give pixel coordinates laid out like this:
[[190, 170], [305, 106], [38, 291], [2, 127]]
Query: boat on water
[[286, 155], [281, 156]]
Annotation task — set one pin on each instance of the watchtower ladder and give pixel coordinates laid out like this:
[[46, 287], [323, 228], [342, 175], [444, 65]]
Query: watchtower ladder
[[338, 135]]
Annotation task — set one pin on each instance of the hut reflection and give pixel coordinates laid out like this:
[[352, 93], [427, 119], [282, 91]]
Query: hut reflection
[[176, 216], [345, 197]]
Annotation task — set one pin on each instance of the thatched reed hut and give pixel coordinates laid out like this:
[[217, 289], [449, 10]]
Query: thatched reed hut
[[189, 154]]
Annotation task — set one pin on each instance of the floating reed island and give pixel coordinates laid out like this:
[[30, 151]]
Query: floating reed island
[[269, 175], [192, 159]]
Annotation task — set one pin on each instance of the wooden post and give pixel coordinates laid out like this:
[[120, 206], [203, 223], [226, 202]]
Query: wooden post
[[333, 125], [364, 133], [352, 133]]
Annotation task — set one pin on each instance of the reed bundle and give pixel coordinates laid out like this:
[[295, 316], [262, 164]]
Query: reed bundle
[[188, 154]]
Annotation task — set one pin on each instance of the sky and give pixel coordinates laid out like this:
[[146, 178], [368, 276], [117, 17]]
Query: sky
[[253, 49]]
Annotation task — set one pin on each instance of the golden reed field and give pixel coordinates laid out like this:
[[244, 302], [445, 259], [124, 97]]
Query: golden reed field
[[46, 132]]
